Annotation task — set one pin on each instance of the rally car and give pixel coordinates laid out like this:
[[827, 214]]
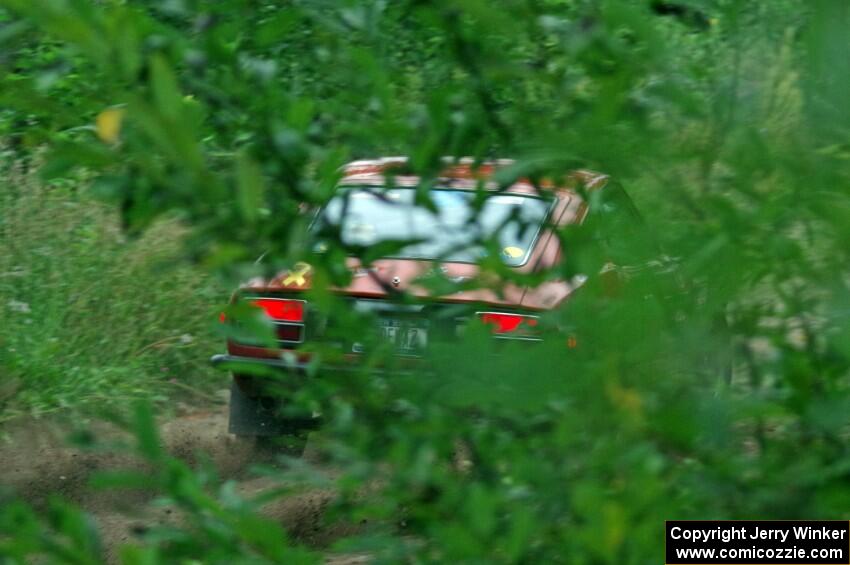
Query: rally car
[[376, 203]]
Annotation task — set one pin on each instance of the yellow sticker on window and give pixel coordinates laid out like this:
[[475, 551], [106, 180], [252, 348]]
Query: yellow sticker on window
[[298, 274], [513, 252]]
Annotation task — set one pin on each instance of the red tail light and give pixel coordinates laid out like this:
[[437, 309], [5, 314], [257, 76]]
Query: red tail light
[[282, 309], [513, 325]]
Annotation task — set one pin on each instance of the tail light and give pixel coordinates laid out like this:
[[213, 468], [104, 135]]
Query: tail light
[[288, 316], [282, 309], [518, 326]]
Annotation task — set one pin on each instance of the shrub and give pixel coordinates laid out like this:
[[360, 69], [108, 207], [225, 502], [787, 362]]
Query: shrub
[[88, 313], [704, 394]]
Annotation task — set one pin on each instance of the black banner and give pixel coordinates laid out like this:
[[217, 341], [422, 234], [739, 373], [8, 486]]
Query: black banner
[[763, 542]]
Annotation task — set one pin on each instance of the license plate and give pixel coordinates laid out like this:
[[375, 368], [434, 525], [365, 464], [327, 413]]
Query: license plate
[[408, 336]]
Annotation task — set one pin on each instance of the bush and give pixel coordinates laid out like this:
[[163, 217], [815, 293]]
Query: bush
[[702, 394], [89, 313]]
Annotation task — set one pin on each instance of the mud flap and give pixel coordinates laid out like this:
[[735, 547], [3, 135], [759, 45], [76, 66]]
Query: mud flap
[[251, 417], [248, 416]]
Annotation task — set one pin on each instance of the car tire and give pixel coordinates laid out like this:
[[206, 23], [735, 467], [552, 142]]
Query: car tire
[[255, 421]]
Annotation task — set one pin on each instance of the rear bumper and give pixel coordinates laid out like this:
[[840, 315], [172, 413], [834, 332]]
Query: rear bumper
[[234, 362]]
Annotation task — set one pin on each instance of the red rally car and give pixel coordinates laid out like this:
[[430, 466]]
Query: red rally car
[[375, 203]]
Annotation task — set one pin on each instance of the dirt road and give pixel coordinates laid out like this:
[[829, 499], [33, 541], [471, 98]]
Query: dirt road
[[37, 463]]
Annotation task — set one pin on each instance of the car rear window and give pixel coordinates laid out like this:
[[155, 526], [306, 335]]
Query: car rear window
[[367, 216]]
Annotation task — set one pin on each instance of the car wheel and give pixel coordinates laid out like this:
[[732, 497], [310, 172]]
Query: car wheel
[[255, 420]]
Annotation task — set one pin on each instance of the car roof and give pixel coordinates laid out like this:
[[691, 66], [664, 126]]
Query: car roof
[[463, 173]]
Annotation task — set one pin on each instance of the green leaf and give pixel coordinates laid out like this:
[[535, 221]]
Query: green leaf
[[166, 92], [250, 187], [147, 436], [65, 156]]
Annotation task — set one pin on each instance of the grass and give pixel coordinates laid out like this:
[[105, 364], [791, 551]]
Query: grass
[[89, 317]]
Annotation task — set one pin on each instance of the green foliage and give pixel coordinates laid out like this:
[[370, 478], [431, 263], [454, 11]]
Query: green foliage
[[87, 314], [731, 137]]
